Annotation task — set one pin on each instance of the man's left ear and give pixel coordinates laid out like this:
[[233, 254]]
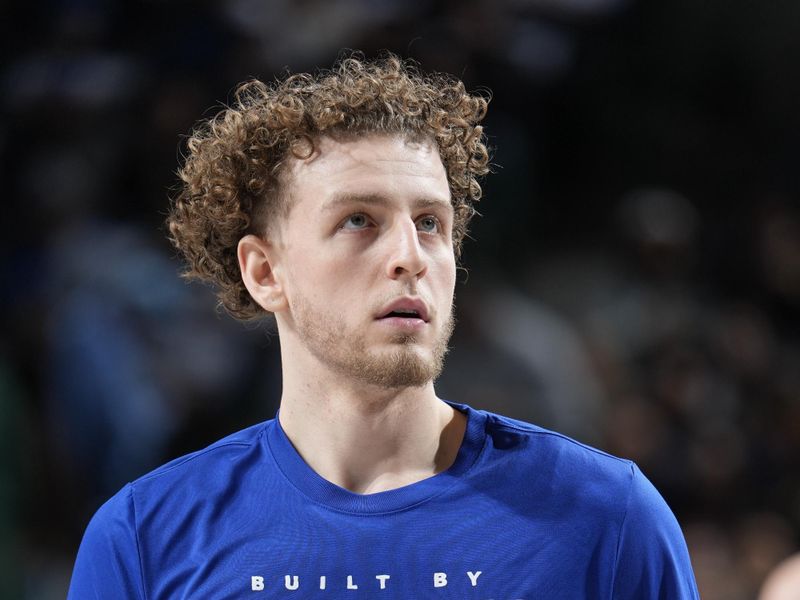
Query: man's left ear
[[257, 260]]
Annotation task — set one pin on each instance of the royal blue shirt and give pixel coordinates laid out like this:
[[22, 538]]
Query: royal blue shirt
[[523, 513]]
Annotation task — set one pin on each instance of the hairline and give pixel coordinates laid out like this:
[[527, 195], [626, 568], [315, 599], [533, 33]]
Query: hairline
[[268, 217]]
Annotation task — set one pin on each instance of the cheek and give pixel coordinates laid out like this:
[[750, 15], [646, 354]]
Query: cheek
[[445, 280], [448, 270], [319, 275]]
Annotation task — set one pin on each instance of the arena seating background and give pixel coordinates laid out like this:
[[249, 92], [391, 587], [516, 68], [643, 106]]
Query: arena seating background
[[634, 280]]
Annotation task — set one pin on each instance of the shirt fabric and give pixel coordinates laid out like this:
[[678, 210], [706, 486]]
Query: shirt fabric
[[523, 513]]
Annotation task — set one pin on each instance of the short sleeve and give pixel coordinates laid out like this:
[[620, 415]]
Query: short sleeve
[[107, 565], [652, 558]]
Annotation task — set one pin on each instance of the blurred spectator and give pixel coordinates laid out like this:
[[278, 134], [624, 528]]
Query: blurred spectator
[[783, 582], [132, 353]]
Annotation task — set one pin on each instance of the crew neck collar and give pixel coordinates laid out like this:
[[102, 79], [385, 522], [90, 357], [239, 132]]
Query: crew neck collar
[[322, 491]]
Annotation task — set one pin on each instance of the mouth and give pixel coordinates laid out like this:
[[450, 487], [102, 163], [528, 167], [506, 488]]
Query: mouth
[[410, 309]]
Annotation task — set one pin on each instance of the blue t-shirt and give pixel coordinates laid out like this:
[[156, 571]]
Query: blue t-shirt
[[523, 513]]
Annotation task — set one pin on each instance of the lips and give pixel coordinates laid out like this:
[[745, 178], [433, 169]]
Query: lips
[[405, 308]]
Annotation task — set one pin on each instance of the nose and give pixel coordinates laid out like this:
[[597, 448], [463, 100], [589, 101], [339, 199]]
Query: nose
[[406, 256]]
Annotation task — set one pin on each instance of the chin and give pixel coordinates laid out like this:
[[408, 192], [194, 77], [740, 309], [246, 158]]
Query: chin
[[401, 367]]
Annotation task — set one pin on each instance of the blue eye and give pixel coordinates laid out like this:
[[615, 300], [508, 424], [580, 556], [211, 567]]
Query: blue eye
[[356, 221], [428, 224]]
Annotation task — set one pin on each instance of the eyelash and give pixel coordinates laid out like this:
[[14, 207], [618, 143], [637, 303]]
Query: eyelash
[[435, 220]]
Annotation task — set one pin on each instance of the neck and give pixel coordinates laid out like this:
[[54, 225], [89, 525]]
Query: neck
[[364, 438]]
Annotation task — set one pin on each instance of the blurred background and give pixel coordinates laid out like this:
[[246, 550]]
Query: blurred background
[[634, 280]]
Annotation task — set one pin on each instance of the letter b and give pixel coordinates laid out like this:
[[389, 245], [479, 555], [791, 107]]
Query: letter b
[[439, 579], [257, 583]]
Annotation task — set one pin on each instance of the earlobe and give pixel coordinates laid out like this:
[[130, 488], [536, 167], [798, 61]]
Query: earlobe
[[257, 262]]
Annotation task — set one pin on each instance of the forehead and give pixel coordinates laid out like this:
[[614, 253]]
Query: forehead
[[373, 164]]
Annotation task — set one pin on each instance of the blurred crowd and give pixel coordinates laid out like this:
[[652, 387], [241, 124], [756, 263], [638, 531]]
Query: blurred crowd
[[634, 280]]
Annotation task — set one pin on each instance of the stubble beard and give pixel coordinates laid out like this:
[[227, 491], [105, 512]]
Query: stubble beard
[[327, 338]]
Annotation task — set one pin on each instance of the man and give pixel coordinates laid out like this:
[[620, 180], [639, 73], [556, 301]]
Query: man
[[338, 203]]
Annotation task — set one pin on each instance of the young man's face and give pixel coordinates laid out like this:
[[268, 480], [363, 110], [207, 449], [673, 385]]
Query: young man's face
[[365, 259]]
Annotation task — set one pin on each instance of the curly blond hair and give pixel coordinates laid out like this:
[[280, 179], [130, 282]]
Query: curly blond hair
[[231, 183]]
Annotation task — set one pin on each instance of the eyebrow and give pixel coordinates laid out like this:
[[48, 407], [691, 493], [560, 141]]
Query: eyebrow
[[347, 198]]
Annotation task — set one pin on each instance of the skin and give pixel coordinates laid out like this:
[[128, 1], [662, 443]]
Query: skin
[[370, 222], [783, 583]]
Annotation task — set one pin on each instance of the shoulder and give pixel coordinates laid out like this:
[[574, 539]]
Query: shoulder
[[652, 557], [202, 468], [567, 480], [107, 564], [557, 459], [223, 450], [153, 512], [574, 468], [212, 467]]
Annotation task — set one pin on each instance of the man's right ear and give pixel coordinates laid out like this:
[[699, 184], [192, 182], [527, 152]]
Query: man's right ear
[[256, 263]]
